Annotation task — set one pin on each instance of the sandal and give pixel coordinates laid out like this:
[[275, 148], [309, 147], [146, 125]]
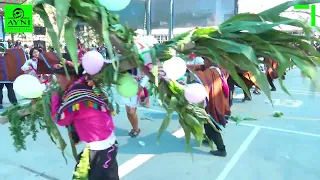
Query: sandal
[[256, 92], [134, 133]]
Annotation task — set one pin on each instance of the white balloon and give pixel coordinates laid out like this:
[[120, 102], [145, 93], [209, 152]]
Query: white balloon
[[28, 86], [43, 87], [195, 93], [115, 5], [175, 68], [92, 62]]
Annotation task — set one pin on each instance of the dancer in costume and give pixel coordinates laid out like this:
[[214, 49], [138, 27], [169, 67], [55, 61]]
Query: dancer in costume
[[86, 114], [216, 105], [133, 102], [271, 72]]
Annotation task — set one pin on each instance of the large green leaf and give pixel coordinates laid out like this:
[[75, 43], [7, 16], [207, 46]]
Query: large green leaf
[[245, 64], [83, 9], [231, 47], [39, 9], [71, 41], [51, 126], [304, 66], [62, 8], [251, 27], [225, 62], [242, 17], [106, 37]]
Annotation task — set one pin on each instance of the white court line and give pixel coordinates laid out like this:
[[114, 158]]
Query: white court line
[[179, 133], [278, 129], [140, 159], [235, 158], [302, 93], [133, 163]]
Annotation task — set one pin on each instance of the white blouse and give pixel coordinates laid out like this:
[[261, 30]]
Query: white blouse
[[30, 67]]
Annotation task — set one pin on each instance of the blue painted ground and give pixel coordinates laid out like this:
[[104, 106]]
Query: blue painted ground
[[269, 148]]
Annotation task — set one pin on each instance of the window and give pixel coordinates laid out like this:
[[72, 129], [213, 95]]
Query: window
[[187, 13], [160, 14], [201, 13], [134, 15]]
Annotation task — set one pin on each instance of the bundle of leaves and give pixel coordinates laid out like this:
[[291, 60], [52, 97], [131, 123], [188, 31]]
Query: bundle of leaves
[[30, 118], [236, 43]]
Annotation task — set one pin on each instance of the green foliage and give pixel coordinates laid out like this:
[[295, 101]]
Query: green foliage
[[235, 44]]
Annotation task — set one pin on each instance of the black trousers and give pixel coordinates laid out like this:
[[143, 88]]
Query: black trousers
[[215, 137], [270, 81], [11, 94], [103, 164]]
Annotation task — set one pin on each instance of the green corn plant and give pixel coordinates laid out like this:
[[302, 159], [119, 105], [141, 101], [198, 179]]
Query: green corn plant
[[236, 43]]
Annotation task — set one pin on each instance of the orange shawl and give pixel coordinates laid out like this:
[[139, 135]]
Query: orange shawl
[[218, 103], [272, 67]]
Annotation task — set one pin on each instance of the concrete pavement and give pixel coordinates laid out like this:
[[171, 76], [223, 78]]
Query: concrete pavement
[[269, 148]]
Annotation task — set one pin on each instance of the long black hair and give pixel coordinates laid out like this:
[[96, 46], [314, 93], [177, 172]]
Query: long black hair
[[31, 51]]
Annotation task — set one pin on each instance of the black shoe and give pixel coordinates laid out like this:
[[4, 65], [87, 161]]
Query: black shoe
[[246, 98], [219, 153], [273, 89], [133, 133]]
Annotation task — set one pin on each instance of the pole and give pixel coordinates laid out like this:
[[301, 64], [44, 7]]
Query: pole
[[171, 23], [148, 16], [236, 7]]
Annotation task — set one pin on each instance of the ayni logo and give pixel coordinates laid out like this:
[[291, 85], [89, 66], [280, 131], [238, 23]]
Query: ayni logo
[[18, 18]]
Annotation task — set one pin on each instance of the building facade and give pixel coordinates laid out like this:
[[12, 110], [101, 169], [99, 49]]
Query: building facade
[[187, 14]]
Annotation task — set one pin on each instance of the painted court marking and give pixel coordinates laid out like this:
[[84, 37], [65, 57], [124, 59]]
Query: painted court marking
[[133, 163], [286, 102], [280, 130], [269, 115], [179, 133], [140, 159], [235, 158]]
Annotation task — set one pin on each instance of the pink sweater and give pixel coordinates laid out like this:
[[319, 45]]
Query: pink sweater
[[91, 125]]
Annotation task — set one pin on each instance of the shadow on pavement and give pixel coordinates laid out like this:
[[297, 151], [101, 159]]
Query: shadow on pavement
[[167, 144], [121, 132]]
